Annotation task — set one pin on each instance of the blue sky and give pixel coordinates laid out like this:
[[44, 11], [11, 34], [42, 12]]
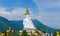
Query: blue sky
[[18, 3], [46, 11]]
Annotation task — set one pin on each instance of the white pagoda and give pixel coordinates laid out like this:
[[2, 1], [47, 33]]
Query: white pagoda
[[27, 22]]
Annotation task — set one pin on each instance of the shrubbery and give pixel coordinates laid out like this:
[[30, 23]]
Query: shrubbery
[[24, 33]]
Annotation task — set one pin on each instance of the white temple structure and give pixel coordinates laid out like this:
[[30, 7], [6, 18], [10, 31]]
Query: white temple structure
[[27, 22]]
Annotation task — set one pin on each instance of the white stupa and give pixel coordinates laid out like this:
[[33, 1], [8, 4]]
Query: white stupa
[[27, 22]]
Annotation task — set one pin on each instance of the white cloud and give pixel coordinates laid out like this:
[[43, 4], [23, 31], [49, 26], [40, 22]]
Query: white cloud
[[53, 4], [17, 14], [47, 4]]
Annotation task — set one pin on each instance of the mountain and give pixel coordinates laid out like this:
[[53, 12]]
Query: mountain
[[38, 25], [18, 24], [3, 24]]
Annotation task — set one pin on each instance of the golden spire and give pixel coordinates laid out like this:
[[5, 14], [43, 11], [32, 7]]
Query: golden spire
[[27, 11]]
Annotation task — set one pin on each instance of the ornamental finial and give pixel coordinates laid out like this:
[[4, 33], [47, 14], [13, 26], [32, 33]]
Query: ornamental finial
[[27, 11]]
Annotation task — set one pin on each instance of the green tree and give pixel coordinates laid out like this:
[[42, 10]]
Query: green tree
[[24, 33]]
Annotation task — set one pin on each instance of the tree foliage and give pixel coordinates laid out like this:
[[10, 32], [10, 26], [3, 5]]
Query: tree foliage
[[24, 33]]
